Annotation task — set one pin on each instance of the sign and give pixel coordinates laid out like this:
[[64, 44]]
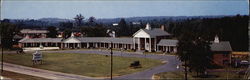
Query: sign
[[37, 56]]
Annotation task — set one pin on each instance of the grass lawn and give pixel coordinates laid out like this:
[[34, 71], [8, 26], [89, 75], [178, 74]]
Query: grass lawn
[[192, 76], [93, 65], [17, 76]]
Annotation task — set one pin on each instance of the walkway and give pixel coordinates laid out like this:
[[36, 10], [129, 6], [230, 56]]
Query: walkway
[[43, 73]]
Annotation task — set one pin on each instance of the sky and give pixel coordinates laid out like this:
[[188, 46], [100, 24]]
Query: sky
[[34, 9]]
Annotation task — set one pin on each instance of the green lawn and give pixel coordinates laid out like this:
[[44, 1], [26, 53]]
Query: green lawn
[[17, 76], [93, 65], [213, 76]]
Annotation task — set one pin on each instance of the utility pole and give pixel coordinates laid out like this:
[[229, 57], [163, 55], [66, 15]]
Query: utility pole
[[111, 60], [1, 37], [185, 64], [185, 69]]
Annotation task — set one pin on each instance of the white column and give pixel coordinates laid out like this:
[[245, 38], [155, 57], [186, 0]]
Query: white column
[[87, 45], [65, 45], [96, 45], [56, 44], [145, 41], [68, 45], [133, 43], [109, 45], [155, 44], [139, 45], [175, 49], [166, 48], [150, 45], [79, 45]]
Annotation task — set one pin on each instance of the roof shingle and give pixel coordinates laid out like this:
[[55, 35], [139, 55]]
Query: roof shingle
[[26, 40], [168, 42], [156, 32], [221, 46]]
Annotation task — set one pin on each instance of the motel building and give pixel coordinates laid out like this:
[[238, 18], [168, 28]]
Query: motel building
[[147, 39], [150, 40]]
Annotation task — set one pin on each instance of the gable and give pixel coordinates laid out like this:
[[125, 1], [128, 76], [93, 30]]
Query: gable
[[71, 40], [141, 33]]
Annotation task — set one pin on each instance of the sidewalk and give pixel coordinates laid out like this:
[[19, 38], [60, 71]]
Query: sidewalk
[[43, 73]]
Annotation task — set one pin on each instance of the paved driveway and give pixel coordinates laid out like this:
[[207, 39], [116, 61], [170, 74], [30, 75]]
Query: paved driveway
[[171, 65]]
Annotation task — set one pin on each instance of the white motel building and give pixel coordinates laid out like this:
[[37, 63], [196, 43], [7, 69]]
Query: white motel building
[[147, 39]]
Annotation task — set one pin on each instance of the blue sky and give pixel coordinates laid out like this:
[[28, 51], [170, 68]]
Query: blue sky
[[32, 9]]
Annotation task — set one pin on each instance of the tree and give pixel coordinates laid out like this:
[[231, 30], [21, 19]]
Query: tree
[[233, 29], [8, 30], [94, 31], [195, 50], [67, 33], [66, 25], [52, 32], [79, 18], [91, 21], [123, 28]]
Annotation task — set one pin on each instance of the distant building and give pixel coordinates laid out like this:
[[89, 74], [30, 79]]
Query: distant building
[[221, 51], [34, 33]]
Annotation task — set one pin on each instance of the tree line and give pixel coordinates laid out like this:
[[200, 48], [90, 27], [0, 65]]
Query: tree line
[[195, 36], [233, 29]]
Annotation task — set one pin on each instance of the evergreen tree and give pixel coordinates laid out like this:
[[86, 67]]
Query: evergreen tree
[[52, 32], [194, 48], [123, 28], [8, 31], [79, 20]]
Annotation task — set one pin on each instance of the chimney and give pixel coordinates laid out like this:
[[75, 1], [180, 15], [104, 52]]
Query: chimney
[[148, 27], [162, 27], [216, 39]]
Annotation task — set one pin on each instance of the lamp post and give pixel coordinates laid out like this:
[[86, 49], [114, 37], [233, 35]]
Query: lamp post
[[111, 60], [112, 34], [185, 64]]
